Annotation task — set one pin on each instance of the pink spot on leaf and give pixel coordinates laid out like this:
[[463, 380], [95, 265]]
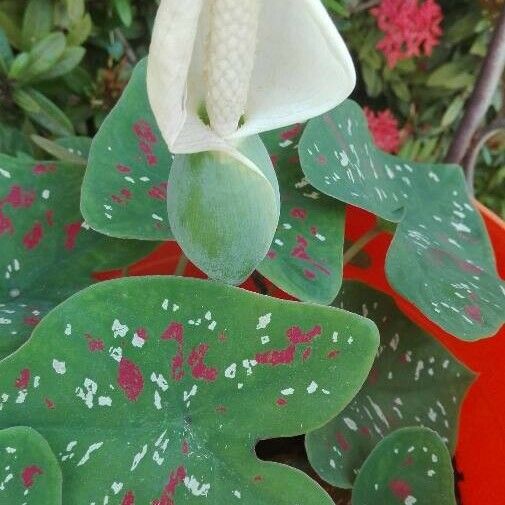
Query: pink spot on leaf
[[128, 499], [159, 192], [297, 336], [33, 237], [44, 168], [94, 345], [176, 478], [298, 213], [277, 357], [198, 368], [23, 380], [5, 224], [342, 442], [130, 379], [71, 232], [50, 217], [175, 331], [29, 473], [32, 320], [400, 488], [18, 198], [473, 312], [292, 132]]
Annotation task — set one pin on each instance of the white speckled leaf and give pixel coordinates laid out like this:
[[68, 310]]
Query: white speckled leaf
[[164, 386], [125, 188], [47, 252], [414, 382], [29, 471], [441, 258], [305, 258], [410, 466]]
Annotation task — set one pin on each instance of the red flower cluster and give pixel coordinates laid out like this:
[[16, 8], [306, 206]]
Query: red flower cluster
[[411, 28], [384, 128]]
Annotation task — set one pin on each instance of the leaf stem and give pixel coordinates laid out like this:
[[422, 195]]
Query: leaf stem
[[365, 6], [482, 94], [128, 50], [181, 265], [259, 283], [360, 244], [470, 160]]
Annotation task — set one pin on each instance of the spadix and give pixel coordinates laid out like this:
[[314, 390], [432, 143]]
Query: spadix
[[220, 70]]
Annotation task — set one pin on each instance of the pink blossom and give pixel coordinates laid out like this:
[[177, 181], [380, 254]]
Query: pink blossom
[[411, 28], [384, 128]]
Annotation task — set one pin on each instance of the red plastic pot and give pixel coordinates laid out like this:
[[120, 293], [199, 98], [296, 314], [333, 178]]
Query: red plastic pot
[[481, 446], [480, 453]]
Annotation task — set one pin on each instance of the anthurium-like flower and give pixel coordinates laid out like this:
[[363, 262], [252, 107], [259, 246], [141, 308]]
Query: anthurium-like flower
[[220, 72]]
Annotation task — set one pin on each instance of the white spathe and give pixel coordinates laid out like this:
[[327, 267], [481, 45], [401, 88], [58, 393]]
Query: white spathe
[[252, 65]]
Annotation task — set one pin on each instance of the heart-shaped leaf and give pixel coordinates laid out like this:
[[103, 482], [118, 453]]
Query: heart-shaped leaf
[[441, 258], [47, 251], [168, 383], [305, 258], [222, 213], [125, 188], [410, 466], [30, 473], [403, 389]]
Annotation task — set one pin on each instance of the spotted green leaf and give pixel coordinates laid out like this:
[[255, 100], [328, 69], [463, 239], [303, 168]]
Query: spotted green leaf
[[410, 466], [441, 258], [165, 384], [47, 252], [414, 382], [305, 258], [222, 213], [30, 474], [125, 188]]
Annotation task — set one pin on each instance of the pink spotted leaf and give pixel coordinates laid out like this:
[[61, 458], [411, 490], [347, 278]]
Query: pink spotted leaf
[[30, 474], [164, 385], [413, 382], [441, 257], [410, 466], [47, 250]]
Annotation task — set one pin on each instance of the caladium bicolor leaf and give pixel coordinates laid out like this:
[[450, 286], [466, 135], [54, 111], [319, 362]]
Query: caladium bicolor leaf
[[441, 258], [47, 252], [305, 258], [410, 466], [17, 320], [30, 473], [414, 382], [69, 149], [167, 383], [125, 188], [222, 213]]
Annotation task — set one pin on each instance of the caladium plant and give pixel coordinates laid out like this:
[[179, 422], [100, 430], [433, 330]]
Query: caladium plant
[[30, 470], [171, 390], [169, 383], [47, 250], [402, 390]]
